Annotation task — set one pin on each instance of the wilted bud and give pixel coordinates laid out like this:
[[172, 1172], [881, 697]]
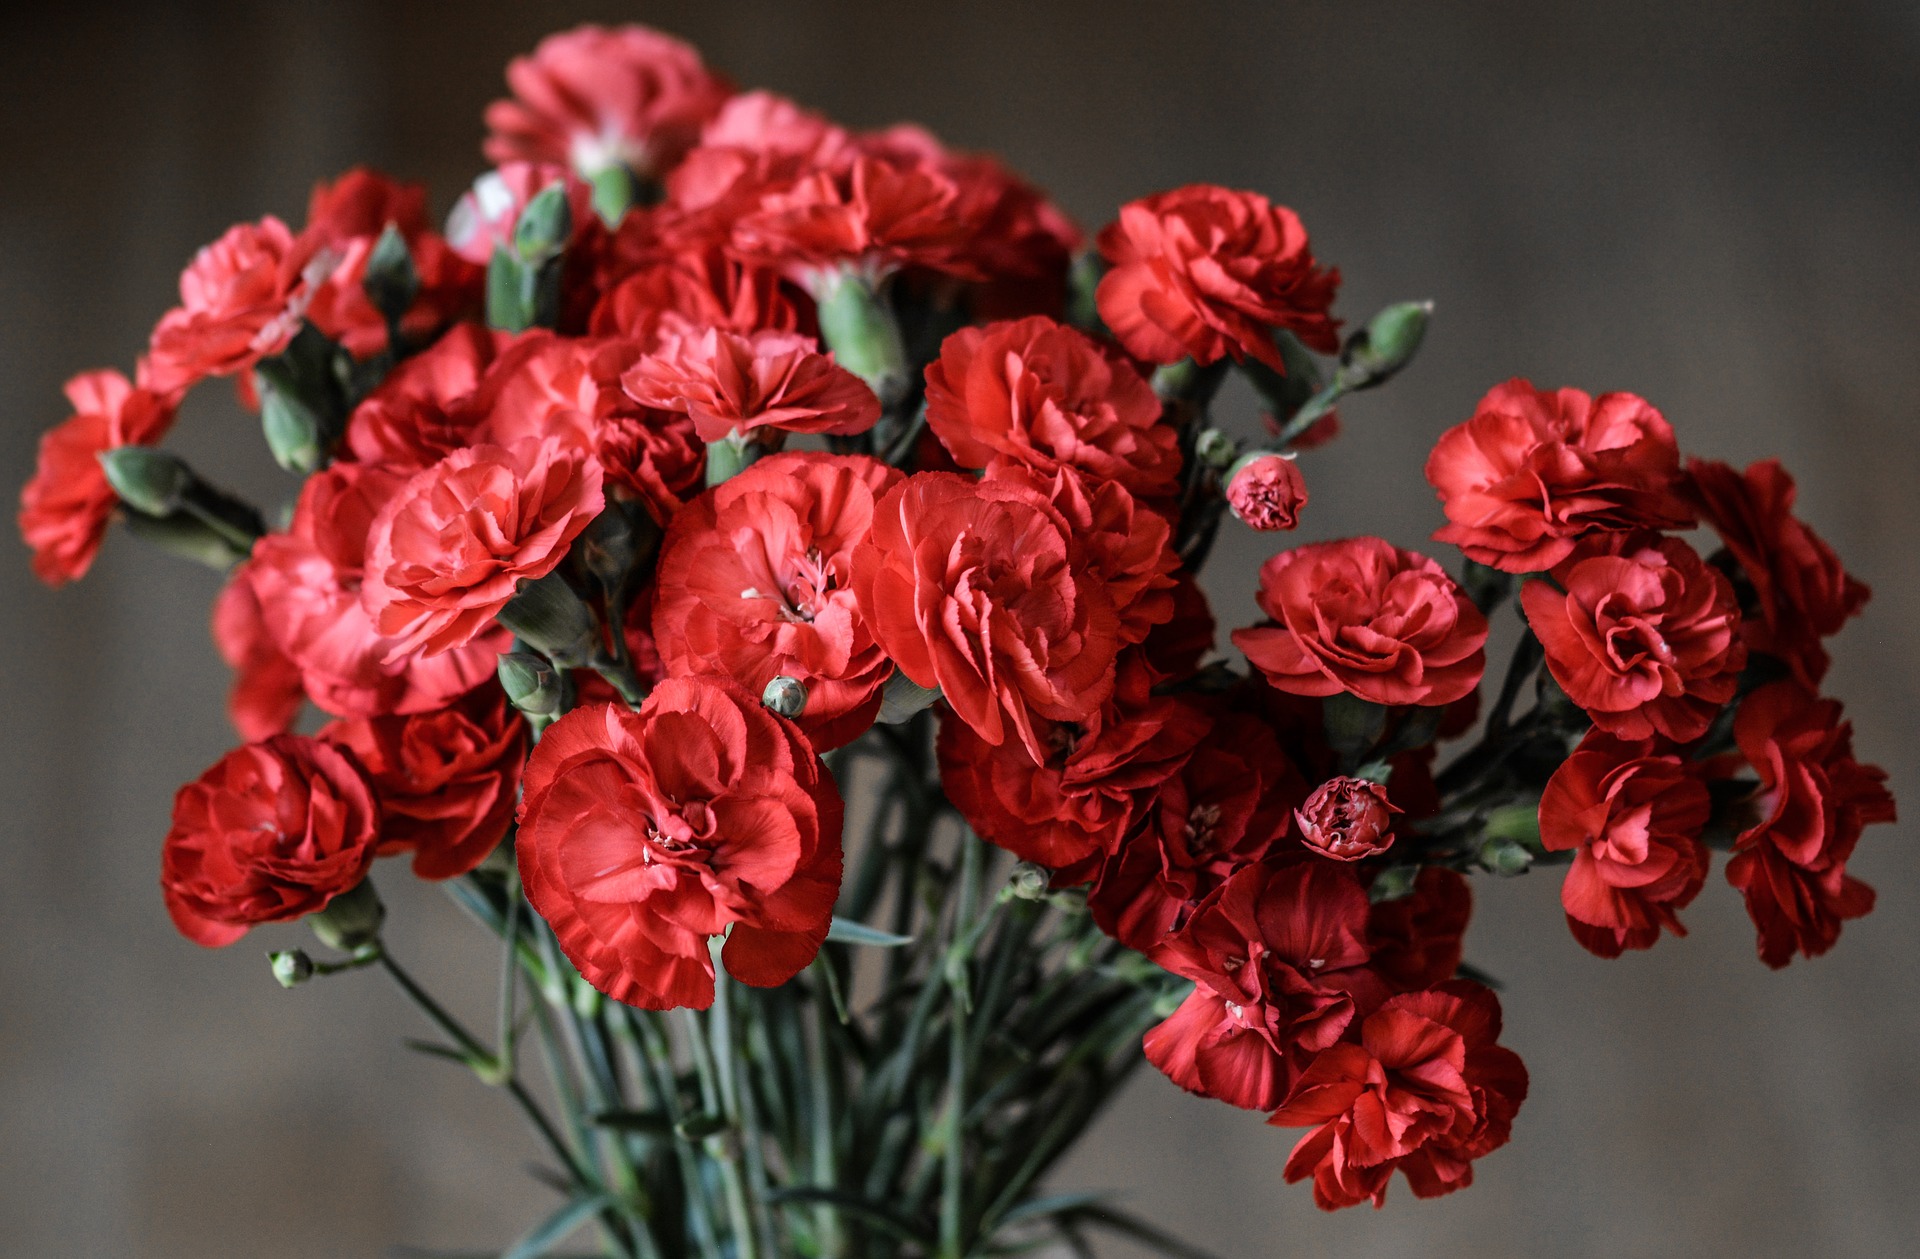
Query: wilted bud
[[1347, 819], [291, 967], [550, 617], [1029, 882], [545, 224], [785, 696], [351, 919], [1215, 449], [1385, 345], [530, 682], [150, 481], [391, 282], [1267, 492], [860, 330]]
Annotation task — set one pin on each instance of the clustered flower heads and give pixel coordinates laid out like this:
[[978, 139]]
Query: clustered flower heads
[[709, 398]]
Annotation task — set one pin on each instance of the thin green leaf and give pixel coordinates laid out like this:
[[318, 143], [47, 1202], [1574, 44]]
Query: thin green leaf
[[851, 1204], [650, 1122], [556, 1227], [1054, 1204], [1127, 1225], [846, 931]]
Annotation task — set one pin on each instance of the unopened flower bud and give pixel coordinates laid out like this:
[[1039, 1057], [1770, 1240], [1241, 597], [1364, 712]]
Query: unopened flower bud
[[1505, 857], [1215, 449], [150, 481], [1028, 881], [545, 224], [1267, 492], [291, 967], [550, 617], [530, 682], [857, 325], [292, 431], [1347, 819], [390, 281], [351, 919], [785, 696], [1385, 345]]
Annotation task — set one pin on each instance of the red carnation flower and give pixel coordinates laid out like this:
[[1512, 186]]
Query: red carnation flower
[[1072, 807], [1347, 819], [447, 781], [451, 546], [1802, 594], [307, 584], [1224, 807], [267, 692], [1202, 272], [645, 834], [1365, 617], [978, 589], [1633, 821], [1646, 639], [1416, 938], [699, 288], [1814, 799], [1426, 1090], [65, 508], [271, 833], [1037, 394], [241, 299], [1533, 472], [568, 388], [1279, 956], [754, 582], [1267, 493], [415, 416], [486, 215], [597, 97], [766, 122], [730, 382]]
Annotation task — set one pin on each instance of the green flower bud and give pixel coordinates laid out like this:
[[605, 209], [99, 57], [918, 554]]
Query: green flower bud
[[1215, 449], [1385, 345], [547, 615], [545, 224], [291, 967], [292, 430], [351, 919], [1504, 857], [614, 192], [1393, 883], [858, 326], [150, 481], [530, 682], [391, 282], [785, 696], [1029, 882]]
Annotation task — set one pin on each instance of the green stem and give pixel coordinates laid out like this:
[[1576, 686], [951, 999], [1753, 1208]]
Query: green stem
[[953, 1187]]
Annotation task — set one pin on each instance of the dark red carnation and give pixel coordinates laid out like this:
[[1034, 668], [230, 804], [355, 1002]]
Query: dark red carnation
[[1425, 1091], [1044, 396], [272, 832], [645, 834], [65, 508], [1202, 272], [447, 780], [1814, 801], [1278, 954], [1633, 821], [1347, 819], [730, 382], [267, 693], [1533, 472], [1802, 594], [979, 589], [1645, 639], [1365, 617], [1416, 938], [755, 582]]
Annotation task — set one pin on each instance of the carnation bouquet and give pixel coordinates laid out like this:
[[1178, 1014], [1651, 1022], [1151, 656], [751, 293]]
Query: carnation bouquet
[[751, 565]]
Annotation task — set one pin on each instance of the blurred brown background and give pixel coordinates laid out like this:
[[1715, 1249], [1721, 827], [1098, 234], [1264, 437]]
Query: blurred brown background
[[1716, 206]]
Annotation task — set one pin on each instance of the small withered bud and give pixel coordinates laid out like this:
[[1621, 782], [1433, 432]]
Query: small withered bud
[[785, 697]]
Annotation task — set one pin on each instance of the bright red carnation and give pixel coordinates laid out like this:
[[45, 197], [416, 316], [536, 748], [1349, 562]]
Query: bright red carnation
[[1802, 593], [597, 97], [1347, 819], [1268, 493], [730, 382], [267, 693], [1224, 807], [1814, 800], [1279, 956], [447, 781], [1534, 471], [65, 508], [644, 834], [1202, 272], [1646, 640], [307, 584], [977, 588], [1365, 617], [699, 288], [1633, 821], [1038, 394], [1425, 1091], [451, 546], [241, 299], [416, 415], [755, 582], [271, 833]]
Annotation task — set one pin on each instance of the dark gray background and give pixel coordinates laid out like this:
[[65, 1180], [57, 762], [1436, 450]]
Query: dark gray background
[[1712, 205]]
